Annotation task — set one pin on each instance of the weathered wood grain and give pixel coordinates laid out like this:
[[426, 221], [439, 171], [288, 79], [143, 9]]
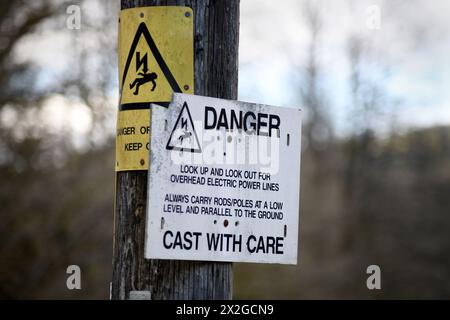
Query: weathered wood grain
[[216, 28]]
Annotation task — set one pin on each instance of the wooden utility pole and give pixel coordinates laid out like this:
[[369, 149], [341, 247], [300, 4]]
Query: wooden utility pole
[[216, 39]]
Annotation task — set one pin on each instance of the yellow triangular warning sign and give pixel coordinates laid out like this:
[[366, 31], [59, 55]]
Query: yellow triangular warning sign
[[146, 73], [156, 56]]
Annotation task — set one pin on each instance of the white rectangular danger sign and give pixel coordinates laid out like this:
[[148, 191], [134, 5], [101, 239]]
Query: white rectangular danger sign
[[224, 181]]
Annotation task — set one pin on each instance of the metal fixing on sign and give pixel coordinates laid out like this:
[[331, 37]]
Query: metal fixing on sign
[[156, 58], [224, 181]]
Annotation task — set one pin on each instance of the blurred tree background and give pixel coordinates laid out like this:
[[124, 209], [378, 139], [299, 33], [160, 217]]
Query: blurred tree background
[[376, 194], [56, 147]]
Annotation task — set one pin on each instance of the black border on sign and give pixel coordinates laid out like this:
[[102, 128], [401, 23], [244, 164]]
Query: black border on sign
[[199, 150], [141, 105]]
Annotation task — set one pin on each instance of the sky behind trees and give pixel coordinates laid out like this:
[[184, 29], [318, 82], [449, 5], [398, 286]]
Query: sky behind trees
[[407, 57]]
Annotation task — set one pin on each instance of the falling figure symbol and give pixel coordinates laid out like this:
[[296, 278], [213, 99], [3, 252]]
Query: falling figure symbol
[[185, 135], [145, 77]]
